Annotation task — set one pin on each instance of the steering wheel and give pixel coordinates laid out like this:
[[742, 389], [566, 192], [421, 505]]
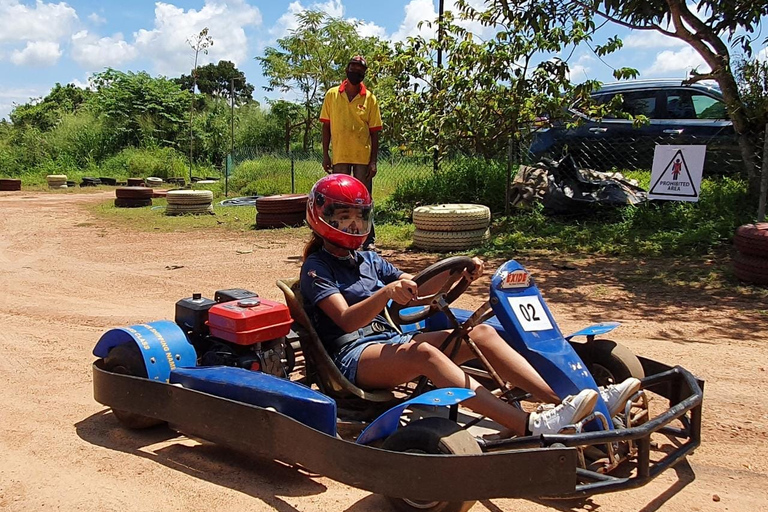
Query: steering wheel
[[451, 272]]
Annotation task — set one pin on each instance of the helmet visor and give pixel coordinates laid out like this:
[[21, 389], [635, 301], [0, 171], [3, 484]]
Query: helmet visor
[[348, 218]]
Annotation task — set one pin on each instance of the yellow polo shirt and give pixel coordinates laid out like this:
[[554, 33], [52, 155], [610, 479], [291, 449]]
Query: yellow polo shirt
[[351, 124]]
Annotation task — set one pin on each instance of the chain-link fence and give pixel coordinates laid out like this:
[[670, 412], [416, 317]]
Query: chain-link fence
[[275, 172], [256, 172]]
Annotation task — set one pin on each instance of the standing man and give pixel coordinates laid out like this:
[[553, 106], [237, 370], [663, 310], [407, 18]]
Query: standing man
[[352, 120]]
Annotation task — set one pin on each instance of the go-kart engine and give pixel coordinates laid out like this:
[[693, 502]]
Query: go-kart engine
[[237, 329]]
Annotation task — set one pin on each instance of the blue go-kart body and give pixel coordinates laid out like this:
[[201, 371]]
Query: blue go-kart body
[[277, 418]]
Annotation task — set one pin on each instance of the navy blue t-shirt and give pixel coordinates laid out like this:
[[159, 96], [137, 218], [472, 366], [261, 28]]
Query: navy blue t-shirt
[[356, 278]]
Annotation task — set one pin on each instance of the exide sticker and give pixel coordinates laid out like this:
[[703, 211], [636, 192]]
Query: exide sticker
[[516, 279]]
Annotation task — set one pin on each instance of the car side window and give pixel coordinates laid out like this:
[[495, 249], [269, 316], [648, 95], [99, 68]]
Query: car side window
[[641, 103], [707, 107], [680, 105]]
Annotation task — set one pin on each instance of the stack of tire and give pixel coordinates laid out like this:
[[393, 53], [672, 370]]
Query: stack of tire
[[451, 227], [9, 184], [133, 197], [136, 182], [89, 182], [750, 263], [56, 180], [188, 202], [154, 182], [284, 210]]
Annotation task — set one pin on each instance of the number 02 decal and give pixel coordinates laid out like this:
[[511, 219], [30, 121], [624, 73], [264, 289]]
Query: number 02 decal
[[529, 311]]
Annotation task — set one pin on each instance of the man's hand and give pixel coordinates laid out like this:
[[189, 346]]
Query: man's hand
[[327, 165], [372, 170], [402, 291]]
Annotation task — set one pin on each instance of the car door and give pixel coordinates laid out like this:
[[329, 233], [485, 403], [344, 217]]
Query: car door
[[614, 142], [697, 117]]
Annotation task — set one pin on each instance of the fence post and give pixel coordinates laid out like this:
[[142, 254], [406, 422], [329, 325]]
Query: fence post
[[763, 179], [509, 176], [293, 176], [227, 170]]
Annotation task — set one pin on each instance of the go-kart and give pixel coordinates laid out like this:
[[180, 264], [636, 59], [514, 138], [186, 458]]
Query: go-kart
[[227, 371]]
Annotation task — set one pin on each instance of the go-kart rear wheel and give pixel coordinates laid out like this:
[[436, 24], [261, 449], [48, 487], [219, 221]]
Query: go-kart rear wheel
[[126, 359], [609, 362], [432, 435]]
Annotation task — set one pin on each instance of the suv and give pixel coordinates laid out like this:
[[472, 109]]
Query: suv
[[677, 113]]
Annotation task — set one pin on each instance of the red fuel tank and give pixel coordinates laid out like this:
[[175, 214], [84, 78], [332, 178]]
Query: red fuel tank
[[249, 321]]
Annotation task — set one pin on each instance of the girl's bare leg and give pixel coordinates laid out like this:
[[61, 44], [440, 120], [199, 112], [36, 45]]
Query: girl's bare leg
[[387, 366]]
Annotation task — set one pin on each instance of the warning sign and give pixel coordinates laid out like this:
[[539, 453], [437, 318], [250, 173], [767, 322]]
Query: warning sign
[[676, 173]]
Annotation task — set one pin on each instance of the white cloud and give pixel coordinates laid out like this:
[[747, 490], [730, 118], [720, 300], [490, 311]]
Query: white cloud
[[288, 21], [96, 19], [579, 71], [417, 11], [370, 29], [651, 39], [94, 53], [37, 54], [41, 22], [166, 44], [762, 55], [10, 97], [676, 63]]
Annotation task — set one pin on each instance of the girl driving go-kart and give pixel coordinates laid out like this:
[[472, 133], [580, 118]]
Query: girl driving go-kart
[[346, 290]]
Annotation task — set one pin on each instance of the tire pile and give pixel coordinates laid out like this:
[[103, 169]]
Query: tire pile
[[133, 197], [90, 182], [56, 180], [750, 263], [284, 210], [136, 182], [154, 182], [451, 227], [9, 184], [188, 202]]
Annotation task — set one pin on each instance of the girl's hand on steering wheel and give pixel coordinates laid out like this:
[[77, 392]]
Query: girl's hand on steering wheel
[[402, 291], [479, 268]]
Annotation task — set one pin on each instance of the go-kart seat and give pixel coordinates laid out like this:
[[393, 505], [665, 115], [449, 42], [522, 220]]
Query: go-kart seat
[[320, 367]]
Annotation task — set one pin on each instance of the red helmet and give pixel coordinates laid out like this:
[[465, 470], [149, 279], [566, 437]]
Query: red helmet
[[339, 210]]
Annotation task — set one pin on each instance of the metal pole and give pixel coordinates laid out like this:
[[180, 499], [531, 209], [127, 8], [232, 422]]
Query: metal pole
[[436, 152], [293, 176], [763, 179], [231, 135]]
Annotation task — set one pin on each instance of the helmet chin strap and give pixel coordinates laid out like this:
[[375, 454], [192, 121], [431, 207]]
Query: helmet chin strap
[[340, 252]]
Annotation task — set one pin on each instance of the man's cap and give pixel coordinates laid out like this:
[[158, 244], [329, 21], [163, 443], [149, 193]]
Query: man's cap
[[358, 59]]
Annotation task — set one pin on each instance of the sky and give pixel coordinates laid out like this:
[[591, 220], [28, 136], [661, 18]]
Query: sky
[[45, 42]]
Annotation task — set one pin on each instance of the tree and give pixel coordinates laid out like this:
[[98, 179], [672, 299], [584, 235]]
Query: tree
[[141, 110], [216, 80], [489, 93], [711, 27], [45, 113], [199, 43], [312, 59]]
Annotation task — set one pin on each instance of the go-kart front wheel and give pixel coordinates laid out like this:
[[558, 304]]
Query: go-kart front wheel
[[435, 436], [126, 359], [609, 362]]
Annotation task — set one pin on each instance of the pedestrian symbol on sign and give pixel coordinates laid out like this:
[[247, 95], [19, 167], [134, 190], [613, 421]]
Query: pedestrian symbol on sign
[[676, 168]]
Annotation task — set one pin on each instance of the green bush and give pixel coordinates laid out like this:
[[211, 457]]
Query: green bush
[[141, 163], [657, 228], [81, 137], [462, 180]]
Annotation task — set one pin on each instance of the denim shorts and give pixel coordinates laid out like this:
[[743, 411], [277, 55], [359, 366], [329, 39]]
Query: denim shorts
[[348, 357]]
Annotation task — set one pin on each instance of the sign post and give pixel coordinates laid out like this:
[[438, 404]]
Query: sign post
[[676, 173]]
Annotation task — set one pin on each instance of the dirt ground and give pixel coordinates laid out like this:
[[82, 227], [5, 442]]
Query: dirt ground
[[66, 277]]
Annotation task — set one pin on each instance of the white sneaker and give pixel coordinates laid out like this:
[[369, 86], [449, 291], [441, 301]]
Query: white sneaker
[[572, 410], [615, 396]]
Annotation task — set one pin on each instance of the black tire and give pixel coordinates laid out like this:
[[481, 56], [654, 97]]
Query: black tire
[[124, 202], [133, 193], [436, 436], [609, 362], [126, 359]]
